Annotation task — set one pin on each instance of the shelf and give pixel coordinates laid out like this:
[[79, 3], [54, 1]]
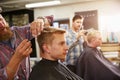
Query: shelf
[[112, 52], [110, 47]]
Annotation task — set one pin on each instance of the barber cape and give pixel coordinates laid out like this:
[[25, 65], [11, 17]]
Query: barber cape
[[92, 65], [52, 70]]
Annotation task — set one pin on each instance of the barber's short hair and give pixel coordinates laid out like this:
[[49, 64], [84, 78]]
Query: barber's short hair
[[47, 35], [77, 17]]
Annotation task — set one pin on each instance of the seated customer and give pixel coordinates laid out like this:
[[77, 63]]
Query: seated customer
[[52, 49], [92, 65]]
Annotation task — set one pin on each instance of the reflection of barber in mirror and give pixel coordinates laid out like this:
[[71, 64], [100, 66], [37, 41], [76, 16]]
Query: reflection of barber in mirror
[[74, 34]]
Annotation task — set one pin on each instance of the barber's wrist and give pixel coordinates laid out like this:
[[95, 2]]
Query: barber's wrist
[[78, 37], [10, 70]]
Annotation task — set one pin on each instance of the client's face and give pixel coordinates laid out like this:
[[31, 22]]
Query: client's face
[[5, 32], [58, 49]]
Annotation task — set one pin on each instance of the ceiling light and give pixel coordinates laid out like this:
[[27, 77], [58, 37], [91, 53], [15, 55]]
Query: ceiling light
[[42, 4]]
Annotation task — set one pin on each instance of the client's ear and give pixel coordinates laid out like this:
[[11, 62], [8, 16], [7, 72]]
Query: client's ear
[[45, 48]]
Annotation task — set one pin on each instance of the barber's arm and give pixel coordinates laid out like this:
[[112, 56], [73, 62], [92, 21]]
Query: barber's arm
[[22, 51]]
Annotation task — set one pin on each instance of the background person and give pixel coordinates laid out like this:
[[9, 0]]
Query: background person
[[92, 65], [73, 35]]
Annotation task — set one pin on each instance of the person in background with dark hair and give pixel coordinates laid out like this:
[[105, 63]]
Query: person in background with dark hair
[[15, 48], [74, 35], [92, 65], [52, 49]]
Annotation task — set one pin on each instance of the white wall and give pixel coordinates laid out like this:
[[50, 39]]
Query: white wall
[[108, 13], [106, 10]]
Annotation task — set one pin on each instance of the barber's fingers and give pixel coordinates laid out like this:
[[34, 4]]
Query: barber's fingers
[[36, 27], [27, 51], [82, 32], [23, 50]]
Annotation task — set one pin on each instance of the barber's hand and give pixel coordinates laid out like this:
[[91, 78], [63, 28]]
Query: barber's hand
[[36, 27], [81, 33], [23, 50]]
